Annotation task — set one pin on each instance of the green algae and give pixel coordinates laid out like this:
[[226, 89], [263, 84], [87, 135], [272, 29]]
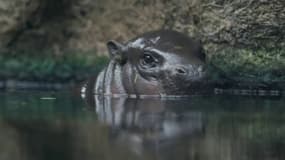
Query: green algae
[[50, 68]]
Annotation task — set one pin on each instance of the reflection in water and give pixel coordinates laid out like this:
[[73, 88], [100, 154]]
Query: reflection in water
[[147, 123], [207, 128]]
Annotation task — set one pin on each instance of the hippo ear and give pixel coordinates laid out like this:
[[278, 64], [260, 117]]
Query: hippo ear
[[116, 51], [114, 48], [202, 54], [200, 50]]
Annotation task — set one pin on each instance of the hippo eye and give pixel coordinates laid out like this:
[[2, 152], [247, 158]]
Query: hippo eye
[[148, 60]]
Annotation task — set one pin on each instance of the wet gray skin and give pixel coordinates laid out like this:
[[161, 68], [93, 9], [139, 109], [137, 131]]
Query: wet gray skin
[[157, 63]]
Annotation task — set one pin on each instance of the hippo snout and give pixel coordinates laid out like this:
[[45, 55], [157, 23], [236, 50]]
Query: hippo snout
[[189, 72]]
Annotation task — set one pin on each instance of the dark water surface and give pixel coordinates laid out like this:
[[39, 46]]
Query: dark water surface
[[61, 126]]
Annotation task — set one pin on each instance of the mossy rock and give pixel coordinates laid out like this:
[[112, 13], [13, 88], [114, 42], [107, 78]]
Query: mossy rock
[[65, 68], [251, 65]]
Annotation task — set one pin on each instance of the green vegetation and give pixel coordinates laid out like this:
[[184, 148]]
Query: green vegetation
[[50, 68], [252, 65], [239, 64]]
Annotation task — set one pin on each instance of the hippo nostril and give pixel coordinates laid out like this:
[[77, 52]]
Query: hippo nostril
[[181, 71]]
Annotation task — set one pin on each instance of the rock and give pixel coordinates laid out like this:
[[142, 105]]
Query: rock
[[60, 25], [13, 17]]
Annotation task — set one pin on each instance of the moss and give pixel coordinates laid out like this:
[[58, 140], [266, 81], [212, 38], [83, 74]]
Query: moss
[[49, 68], [251, 65], [240, 64]]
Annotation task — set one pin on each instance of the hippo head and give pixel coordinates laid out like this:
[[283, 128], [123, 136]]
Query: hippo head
[[156, 63]]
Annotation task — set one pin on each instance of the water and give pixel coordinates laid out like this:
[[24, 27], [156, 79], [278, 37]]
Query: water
[[62, 126]]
